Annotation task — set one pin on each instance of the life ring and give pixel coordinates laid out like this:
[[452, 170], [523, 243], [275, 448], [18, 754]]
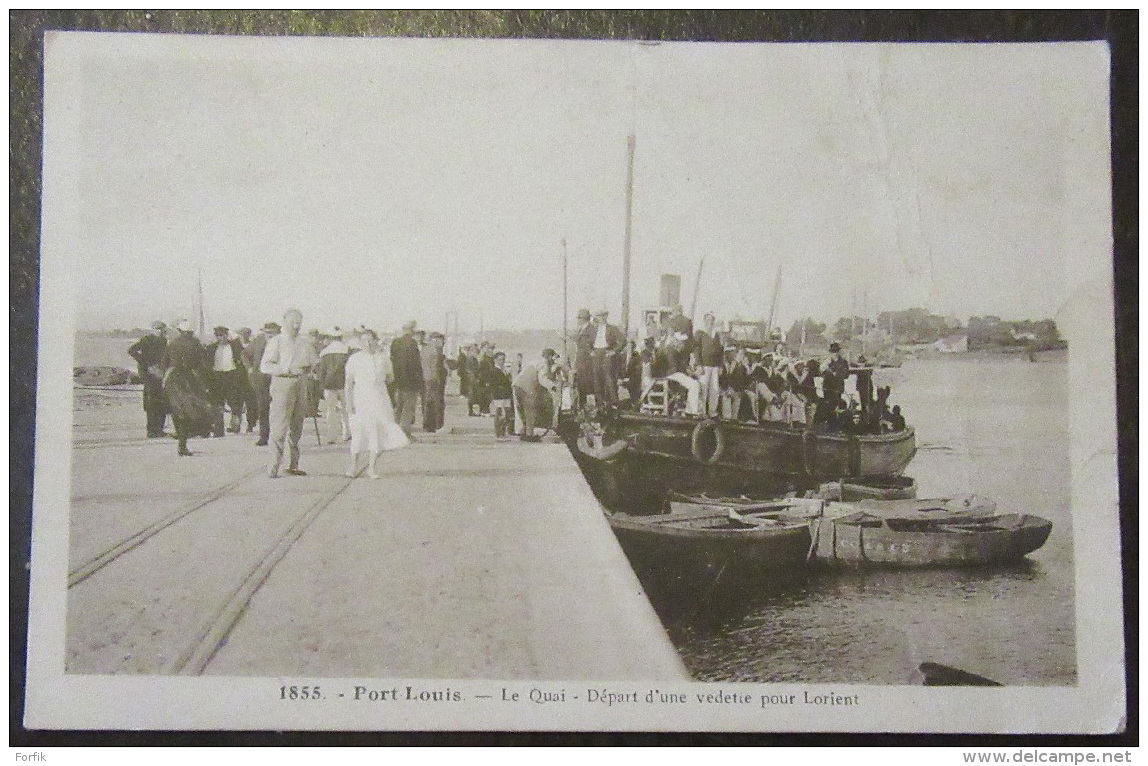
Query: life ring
[[696, 441], [602, 453]]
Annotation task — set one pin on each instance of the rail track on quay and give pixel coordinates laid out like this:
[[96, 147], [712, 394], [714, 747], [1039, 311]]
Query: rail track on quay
[[164, 599]]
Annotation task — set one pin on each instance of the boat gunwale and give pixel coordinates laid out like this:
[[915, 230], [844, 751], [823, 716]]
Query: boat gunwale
[[666, 525], [893, 437]]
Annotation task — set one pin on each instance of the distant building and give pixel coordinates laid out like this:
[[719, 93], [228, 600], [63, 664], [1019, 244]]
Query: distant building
[[990, 332], [953, 344]]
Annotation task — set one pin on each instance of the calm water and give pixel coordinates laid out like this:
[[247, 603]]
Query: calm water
[[994, 427]]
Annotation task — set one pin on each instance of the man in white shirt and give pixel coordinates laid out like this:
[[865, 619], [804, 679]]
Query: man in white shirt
[[225, 355], [288, 359]]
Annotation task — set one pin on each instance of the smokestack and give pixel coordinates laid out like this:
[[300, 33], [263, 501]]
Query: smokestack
[[671, 294]]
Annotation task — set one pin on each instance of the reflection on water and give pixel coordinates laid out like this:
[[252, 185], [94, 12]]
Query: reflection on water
[[995, 428]]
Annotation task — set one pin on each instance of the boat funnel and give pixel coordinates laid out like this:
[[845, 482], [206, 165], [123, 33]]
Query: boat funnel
[[671, 294]]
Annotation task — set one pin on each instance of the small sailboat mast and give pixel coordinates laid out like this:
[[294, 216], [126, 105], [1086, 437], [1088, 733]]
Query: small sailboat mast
[[697, 287], [773, 303], [565, 306], [199, 301]]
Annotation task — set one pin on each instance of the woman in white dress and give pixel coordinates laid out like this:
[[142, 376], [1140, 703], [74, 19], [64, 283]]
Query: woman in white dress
[[372, 418]]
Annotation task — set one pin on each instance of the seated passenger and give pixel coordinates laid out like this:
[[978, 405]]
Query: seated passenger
[[896, 419], [735, 383], [792, 408], [766, 401], [673, 361], [827, 415], [801, 385]]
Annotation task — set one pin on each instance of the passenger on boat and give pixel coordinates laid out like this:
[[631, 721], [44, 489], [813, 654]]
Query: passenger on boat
[[836, 371], [792, 402], [646, 359], [801, 380], [608, 343], [767, 389], [855, 421], [895, 419], [736, 385], [839, 418], [633, 377], [583, 366], [672, 361], [680, 328], [707, 356], [651, 331]]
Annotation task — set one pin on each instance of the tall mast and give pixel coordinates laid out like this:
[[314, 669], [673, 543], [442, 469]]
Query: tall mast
[[853, 316], [630, 141], [697, 286], [773, 303], [199, 300]]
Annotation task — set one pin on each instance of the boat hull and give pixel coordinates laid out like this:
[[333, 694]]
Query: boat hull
[[649, 541], [769, 448], [978, 542], [870, 488], [766, 460]]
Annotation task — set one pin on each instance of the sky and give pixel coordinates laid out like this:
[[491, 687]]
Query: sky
[[375, 181]]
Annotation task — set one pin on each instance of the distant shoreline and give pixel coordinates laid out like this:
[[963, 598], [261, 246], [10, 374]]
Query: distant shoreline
[[982, 354], [93, 348]]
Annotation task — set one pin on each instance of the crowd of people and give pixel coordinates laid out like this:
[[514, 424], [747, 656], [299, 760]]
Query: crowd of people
[[526, 393], [367, 393], [370, 395], [719, 377], [272, 381]]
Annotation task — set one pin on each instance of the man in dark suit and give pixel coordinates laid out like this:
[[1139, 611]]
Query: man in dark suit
[[260, 383], [250, 404], [608, 343], [225, 363], [434, 376], [583, 352], [149, 352], [406, 361], [192, 413], [836, 371]]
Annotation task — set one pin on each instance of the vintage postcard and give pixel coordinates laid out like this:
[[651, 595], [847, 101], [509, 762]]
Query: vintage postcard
[[442, 384]]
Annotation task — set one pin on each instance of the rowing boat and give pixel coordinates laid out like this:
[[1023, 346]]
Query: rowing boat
[[769, 536], [869, 488], [851, 535]]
